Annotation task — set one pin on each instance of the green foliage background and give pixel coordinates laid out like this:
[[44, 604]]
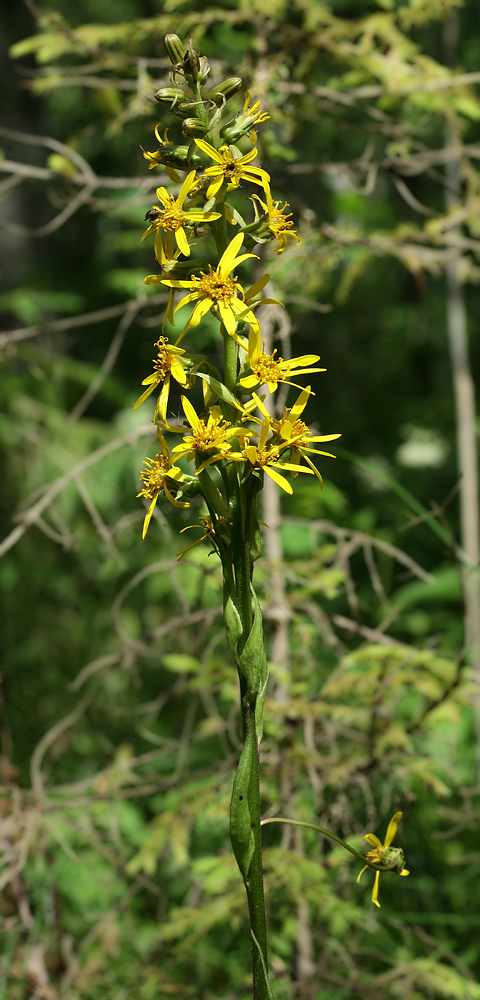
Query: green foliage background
[[118, 879]]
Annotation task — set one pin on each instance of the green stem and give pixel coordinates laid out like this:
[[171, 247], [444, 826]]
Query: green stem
[[332, 836], [254, 883], [254, 880], [221, 229], [230, 354]]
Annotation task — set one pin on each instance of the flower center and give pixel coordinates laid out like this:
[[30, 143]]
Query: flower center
[[163, 361], [154, 475], [214, 287], [268, 368], [171, 217], [210, 435], [299, 429], [265, 456]]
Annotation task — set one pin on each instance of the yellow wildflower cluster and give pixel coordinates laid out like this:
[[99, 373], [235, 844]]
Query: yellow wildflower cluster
[[232, 429]]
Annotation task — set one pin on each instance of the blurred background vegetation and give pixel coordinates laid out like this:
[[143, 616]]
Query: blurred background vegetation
[[119, 722]]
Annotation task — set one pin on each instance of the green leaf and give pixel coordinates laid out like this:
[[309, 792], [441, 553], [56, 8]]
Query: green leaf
[[233, 624], [243, 842], [252, 661], [220, 390]]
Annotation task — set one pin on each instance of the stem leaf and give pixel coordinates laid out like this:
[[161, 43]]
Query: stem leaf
[[242, 838]]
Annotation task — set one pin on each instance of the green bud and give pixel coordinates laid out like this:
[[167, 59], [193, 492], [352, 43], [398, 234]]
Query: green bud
[[186, 109], [178, 156], [194, 127], [232, 134], [169, 95], [175, 48], [225, 90], [191, 62], [190, 487], [204, 71], [183, 270]]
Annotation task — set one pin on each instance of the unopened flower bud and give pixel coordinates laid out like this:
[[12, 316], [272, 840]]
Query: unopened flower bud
[[169, 95], [191, 62], [223, 91], [175, 48], [204, 71], [186, 109], [194, 127], [184, 269], [232, 133], [178, 156]]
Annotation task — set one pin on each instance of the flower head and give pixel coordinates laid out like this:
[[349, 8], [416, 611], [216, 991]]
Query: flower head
[[210, 439], [278, 223], [385, 854], [294, 434], [270, 370], [219, 292], [171, 156], [244, 122], [266, 457], [165, 365], [231, 169], [174, 221], [159, 476]]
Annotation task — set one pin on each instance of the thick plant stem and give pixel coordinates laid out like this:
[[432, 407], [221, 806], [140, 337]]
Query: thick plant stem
[[254, 884], [254, 876]]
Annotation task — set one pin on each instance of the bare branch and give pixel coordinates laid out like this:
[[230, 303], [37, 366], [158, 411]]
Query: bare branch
[[85, 319], [30, 516], [372, 634], [109, 359]]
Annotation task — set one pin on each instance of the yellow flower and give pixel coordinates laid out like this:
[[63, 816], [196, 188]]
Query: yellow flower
[[385, 854], [267, 459], [207, 527], [294, 432], [269, 370], [155, 159], [231, 169], [255, 115], [159, 475], [213, 435], [173, 219], [219, 292], [278, 223], [165, 364], [209, 532]]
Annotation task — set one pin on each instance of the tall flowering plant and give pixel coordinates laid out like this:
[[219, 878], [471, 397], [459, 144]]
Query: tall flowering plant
[[234, 441]]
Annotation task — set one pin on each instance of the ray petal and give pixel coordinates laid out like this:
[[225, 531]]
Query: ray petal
[[392, 828]]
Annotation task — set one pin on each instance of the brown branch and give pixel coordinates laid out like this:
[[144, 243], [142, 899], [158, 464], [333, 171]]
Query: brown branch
[[30, 516], [85, 319]]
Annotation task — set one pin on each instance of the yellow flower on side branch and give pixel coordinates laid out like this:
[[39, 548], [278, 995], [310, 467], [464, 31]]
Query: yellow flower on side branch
[[385, 854], [160, 476], [295, 434], [231, 169], [208, 528], [166, 364], [173, 219], [278, 223], [268, 370], [210, 439], [219, 292]]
